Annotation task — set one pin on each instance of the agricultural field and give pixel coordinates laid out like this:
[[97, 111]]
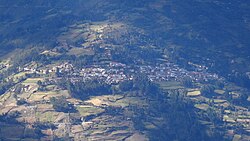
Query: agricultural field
[[80, 51], [170, 85], [32, 80], [194, 93]]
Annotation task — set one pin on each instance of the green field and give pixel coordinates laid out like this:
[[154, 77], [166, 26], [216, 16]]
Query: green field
[[170, 85], [32, 80], [80, 51], [89, 110], [47, 116]]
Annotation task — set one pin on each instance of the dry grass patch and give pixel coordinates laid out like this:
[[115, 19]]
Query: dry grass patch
[[194, 93], [201, 106], [32, 80], [220, 100]]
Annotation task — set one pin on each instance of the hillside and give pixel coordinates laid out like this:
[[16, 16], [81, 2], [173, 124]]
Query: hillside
[[124, 70]]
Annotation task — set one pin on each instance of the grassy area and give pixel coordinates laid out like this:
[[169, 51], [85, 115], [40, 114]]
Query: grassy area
[[80, 51], [50, 87], [47, 94], [50, 53], [32, 80], [129, 101], [149, 126], [89, 110], [47, 116], [4, 97], [116, 101], [169, 85], [36, 97], [21, 74]]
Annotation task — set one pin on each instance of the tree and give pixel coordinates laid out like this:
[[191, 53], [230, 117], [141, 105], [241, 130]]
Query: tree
[[126, 85], [219, 84], [5, 85], [21, 101], [141, 82], [145, 86], [187, 82], [207, 90], [83, 89], [18, 88], [60, 104]]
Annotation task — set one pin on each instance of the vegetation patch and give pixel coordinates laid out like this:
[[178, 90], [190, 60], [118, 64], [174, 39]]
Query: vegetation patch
[[11, 131], [169, 85], [219, 91], [80, 51], [89, 110], [47, 116]]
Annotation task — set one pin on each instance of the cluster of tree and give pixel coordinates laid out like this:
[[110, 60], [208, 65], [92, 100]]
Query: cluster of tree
[[240, 79], [25, 56], [131, 54], [21, 101], [141, 85], [10, 117], [41, 85], [60, 104], [83, 89], [179, 121], [187, 82], [5, 85], [219, 84], [84, 60], [145, 86], [207, 90], [126, 85]]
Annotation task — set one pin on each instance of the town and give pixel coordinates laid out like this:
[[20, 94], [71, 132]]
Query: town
[[115, 72]]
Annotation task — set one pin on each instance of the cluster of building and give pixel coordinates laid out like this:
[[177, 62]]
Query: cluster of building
[[114, 72], [110, 75], [62, 68], [169, 71]]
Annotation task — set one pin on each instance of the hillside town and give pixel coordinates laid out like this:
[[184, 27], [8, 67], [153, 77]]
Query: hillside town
[[115, 72]]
